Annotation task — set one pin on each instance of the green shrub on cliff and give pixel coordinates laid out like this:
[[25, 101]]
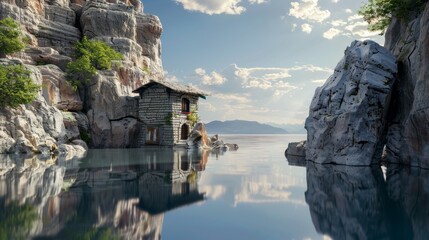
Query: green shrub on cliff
[[90, 55], [11, 37], [379, 13], [16, 86]]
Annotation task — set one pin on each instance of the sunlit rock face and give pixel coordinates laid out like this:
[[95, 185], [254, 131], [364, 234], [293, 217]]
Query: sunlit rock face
[[53, 27], [408, 139], [347, 202], [32, 127], [347, 119]]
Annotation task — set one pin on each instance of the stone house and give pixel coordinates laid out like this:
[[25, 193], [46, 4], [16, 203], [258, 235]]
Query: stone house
[[166, 110]]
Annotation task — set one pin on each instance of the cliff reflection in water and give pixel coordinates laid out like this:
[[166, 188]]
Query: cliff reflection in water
[[110, 194], [358, 203]]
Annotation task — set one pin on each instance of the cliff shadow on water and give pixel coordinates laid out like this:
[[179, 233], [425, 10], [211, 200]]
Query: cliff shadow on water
[[349, 202]]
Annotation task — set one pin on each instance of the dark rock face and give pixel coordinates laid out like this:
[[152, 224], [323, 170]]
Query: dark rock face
[[408, 137], [347, 119], [408, 188], [350, 202], [346, 202], [295, 153]]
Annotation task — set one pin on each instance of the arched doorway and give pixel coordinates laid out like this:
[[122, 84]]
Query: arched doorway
[[184, 132]]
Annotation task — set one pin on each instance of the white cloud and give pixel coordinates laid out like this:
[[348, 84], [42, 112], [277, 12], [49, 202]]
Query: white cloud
[[213, 192], [307, 28], [354, 17], [319, 81], [236, 98], [213, 6], [348, 10], [208, 106], [331, 33], [210, 79], [335, 1], [170, 78], [200, 71], [257, 1], [294, 26], [308, 10], [338, 23]]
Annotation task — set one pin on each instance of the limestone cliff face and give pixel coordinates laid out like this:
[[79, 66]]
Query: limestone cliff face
[[408, 138], [104, 110]]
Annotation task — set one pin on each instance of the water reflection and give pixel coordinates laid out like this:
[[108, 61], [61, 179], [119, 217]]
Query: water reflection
[[357, 203], [110, 194]]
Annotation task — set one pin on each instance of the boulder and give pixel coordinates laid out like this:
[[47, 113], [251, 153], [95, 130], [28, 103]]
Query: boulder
[[295, 153], [198, 137], [408, 135], [347, 119]]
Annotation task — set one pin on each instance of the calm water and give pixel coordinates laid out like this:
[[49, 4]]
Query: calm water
[[252, 193]]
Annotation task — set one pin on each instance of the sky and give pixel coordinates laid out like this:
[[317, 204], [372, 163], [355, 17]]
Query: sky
[[260, 60]]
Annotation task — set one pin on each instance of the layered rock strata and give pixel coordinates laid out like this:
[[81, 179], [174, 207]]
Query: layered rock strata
[[104, 112]]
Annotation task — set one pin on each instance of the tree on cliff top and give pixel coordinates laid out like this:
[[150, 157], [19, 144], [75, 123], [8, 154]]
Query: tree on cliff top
[[379, 13], [16, 86], [90, 55], [11, 37]]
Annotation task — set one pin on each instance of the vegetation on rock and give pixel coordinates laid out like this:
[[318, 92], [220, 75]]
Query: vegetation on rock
[[193, 118], [90, 56], [11, 37], [379, 13], [16, 86]]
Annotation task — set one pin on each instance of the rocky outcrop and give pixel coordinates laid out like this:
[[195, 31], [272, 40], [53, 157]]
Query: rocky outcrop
[[53, 27], [30, 127], [199, 139], [408, 137], [347, 119], [57, 91], [295, 153]]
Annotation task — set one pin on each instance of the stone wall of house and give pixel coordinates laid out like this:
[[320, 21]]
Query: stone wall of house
[[178, 117], [154, 109]]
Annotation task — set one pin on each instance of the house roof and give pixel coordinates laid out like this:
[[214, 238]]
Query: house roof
[[173, 86]]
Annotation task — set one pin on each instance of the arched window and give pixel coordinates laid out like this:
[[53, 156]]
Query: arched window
[[184, 132], [185, 105]]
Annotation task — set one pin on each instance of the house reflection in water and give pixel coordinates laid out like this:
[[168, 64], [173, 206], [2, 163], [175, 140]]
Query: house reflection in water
[[121, 193]]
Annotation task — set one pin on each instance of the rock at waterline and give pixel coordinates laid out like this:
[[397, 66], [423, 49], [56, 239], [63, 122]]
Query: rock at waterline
[[347, 118], [295, 153], [198, 138]]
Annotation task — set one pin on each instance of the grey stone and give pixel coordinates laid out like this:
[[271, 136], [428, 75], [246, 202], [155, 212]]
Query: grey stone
[[408, 135], [347, 118]]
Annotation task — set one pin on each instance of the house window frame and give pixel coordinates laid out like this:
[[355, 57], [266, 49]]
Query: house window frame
[[186, 105]]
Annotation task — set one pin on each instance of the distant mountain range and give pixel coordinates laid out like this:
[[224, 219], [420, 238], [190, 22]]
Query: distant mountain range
[[242, 127], [291, 128]]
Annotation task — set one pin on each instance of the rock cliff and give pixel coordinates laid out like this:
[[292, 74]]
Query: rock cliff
[[351, 121], [348, 113], [103, 113], [408, 136]]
